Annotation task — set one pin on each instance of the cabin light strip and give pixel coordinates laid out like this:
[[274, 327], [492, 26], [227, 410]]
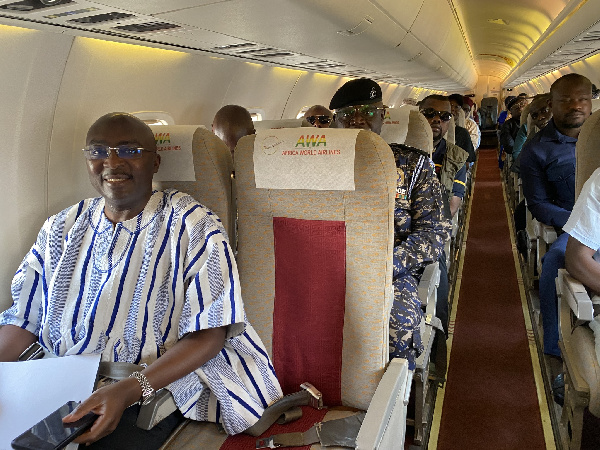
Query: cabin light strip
[[533, 350], [539, 43]]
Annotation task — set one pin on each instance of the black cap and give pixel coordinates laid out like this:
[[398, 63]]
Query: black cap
[[362, 91], [512, 101], [508, 99]]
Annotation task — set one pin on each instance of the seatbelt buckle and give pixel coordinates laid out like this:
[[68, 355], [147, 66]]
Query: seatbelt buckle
[[266, 443], [317, 398]]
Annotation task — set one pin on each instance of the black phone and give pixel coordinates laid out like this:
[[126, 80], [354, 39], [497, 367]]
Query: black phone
[[51, 433]]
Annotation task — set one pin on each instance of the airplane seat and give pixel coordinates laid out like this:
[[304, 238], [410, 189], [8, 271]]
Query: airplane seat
[[419, 134], [315, 259], [450, 135], [576, 309], [280, 123], [580, 359], [595, 104], [461, 119], [195, 161], [395, 124]]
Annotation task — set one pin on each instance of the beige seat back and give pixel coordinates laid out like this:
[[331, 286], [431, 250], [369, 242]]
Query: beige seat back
[[461, 119], [450, 136], [419, 134], [195, 161], [587, 156], [366, 213], [395, 124]]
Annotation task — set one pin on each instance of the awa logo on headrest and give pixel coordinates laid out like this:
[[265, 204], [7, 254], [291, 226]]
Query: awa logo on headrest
[[162, 138], [313, 139], [373, 93]]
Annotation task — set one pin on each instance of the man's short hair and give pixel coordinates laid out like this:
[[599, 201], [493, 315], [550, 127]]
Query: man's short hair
[[438, 97], [362, 91], [508, 99], [457, 98], [570, 78]]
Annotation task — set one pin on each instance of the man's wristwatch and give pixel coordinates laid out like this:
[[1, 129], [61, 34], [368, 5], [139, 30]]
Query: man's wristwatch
[[148, 392]]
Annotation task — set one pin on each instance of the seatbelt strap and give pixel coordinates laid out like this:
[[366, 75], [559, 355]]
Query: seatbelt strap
[[338, 432], [309, 395]]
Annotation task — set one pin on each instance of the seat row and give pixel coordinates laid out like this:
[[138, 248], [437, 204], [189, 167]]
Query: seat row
[[315, 262]]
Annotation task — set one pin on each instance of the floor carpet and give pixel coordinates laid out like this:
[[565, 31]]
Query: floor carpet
[[490, 400]]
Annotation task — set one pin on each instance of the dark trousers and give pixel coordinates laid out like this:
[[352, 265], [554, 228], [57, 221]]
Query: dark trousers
[[127, 436]]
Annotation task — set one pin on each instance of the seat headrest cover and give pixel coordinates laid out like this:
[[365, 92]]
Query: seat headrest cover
[[395, 124], [595, 104], [419, 133], [174, 145], [461, 118], [316, 159]]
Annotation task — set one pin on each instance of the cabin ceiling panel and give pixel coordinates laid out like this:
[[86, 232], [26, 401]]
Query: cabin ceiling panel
[[369, 39], [505, 30], [403, 12], [152, 7]]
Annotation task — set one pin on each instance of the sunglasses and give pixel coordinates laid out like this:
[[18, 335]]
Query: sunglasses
[[323, 120], [367, 111], [99, 151], [430, 113], [543, 111]]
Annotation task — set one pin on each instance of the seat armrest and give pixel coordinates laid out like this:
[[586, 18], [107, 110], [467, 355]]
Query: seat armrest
[[576, 296], [430, 280], [547, 233], [384, 425]]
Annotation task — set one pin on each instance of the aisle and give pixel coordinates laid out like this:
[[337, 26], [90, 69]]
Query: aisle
[[490, 400]]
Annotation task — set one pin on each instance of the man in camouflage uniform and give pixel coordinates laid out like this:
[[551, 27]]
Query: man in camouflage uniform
[[422, 222]]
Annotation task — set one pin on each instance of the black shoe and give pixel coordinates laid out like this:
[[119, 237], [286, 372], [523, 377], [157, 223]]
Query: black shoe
[[522, 241], [558, 389]]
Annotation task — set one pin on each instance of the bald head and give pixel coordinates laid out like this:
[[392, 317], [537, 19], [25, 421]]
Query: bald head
[[124, 121], [318, 116], [231, 123]]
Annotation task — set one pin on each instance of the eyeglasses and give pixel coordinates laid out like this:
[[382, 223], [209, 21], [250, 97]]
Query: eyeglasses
[[430, 113], [323, 120], [367, 111], [543, 111], [99, 151]]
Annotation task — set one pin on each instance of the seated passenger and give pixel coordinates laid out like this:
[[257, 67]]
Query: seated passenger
[[143, 277], [470, 123], [504, 114], [511, 126], [449, 159], [548, 175], [462, 138], [540, 113], [318, 116], [231, 123], [582, 256], [421, 225]]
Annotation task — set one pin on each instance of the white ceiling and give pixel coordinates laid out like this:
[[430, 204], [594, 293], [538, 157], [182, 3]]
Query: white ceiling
[[438, 44]]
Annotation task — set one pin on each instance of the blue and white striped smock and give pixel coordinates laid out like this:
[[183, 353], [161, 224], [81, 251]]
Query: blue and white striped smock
[[131, 292]]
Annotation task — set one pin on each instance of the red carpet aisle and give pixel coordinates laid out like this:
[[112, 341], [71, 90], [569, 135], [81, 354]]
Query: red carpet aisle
[[490, 400]]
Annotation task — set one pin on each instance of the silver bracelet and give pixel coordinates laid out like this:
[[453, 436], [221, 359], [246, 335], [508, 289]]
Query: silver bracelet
[[148, 392]]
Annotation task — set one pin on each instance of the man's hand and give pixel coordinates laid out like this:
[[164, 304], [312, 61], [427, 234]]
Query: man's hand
[[108, 403]]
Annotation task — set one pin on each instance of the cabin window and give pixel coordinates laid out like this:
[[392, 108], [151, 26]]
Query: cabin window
[[257, 114], [154, 117], [300, 114]]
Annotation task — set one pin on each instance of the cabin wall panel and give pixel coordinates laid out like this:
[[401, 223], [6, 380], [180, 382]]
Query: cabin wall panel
[[32, 68]]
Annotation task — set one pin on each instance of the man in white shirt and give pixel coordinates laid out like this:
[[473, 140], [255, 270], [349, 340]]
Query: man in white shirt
[[582, 257]]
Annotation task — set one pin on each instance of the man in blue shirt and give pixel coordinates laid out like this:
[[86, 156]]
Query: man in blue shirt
[[548, 174]]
